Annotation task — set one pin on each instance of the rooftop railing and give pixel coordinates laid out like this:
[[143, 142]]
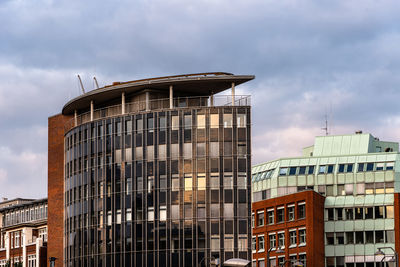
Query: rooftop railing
[[157, 104]]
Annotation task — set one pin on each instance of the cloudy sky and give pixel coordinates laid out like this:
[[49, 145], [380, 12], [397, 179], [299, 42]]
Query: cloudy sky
[[310, 58]]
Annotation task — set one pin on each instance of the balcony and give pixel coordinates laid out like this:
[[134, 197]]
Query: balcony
[[155, 105]]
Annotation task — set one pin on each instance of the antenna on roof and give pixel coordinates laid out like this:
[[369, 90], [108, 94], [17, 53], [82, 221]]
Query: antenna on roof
[[80, 82], [95, 82], [326, 125]]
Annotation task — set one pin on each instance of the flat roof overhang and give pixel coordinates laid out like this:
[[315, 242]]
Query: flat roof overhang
[[202, 84]]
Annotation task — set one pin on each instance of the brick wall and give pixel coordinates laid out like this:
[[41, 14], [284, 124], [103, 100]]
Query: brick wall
[[56, 186]]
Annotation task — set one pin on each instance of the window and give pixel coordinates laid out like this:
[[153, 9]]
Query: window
[[270, 216], [379, 212], [340, 238], [349, 168], [241, 120], [360, 167], [370, 167], [302, 211], [214, 120], [330, 239], [389, 212], [227, 120], [280, 215], [281, 239], [359, 213], [349, 213], [348, 188], [360, 189], [322, 169], [175, 122], [340, 190], [260, 243], [260, 218], [291, 213], [311, 169], [254, 243], [201, 121], [379, 166], [341, 168], [389, 166], [339, 214], [302, 170], [293, 237], [331, 215], [292, 171], [330, 169], [369, 213], [359, 237], [272, 240], [349, 237], [283, 171], [302, 236]]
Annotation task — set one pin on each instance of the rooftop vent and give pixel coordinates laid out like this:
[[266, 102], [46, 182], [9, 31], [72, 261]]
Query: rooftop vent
[[359, 132]]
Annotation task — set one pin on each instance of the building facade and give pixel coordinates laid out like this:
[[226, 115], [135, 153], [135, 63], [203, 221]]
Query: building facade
[[282, 225], [23, 234], [157, 174], [359, 177]]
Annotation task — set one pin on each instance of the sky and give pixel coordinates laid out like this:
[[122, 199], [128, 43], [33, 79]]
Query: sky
[[311, 59]]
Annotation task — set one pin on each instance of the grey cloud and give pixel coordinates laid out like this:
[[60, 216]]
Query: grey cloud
[[308, 57]]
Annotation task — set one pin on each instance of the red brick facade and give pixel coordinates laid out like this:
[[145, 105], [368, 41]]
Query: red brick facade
[[313, 223], [56, 186]]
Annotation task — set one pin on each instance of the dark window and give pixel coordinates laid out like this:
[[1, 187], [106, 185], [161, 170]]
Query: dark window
[[310, 169], [341, 168], [360, 167], [292, 171], [302, 170], [370, 167], [330, 169], [349, 167]]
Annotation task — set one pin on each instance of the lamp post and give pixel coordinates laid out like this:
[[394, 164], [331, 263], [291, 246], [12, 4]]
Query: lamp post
[[279, 250], [205, 257], [381, 253]]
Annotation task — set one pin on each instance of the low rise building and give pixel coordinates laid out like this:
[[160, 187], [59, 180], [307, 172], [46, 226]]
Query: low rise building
[[359, 175], [23, 234]]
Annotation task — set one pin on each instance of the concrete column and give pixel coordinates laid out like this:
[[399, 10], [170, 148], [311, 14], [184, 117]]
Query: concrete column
[[24, 241], [147, 101], [123, 103], [171, 97], [91, 110], [75, 118], [39, 243], [7, 245], [233, 94], [212, 100]]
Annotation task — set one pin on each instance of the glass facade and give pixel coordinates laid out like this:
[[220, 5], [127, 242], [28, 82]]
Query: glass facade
[[159, 188]]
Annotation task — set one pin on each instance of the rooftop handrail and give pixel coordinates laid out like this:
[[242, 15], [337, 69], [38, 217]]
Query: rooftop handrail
[[157, 104]]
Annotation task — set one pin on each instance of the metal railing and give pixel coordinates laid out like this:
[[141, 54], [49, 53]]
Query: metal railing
[[158, 104]]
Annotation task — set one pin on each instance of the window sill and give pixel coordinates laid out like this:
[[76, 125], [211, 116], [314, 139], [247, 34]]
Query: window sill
[[261, 250], [293, 246], [302, 245]]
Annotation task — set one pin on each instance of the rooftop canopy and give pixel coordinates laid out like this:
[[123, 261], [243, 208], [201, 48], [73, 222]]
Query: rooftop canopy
[[200, 84]]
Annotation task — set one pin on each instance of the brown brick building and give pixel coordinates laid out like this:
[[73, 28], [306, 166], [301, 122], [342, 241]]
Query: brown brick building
[[291, 227], [23, 235]]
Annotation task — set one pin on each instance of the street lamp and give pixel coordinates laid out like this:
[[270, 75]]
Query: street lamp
[[381, 253]]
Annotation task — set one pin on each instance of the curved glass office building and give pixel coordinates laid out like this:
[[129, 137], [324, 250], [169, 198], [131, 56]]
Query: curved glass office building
[[157, 173]]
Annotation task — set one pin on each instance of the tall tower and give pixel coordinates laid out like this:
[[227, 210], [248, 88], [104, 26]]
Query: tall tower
[[156, 172]]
